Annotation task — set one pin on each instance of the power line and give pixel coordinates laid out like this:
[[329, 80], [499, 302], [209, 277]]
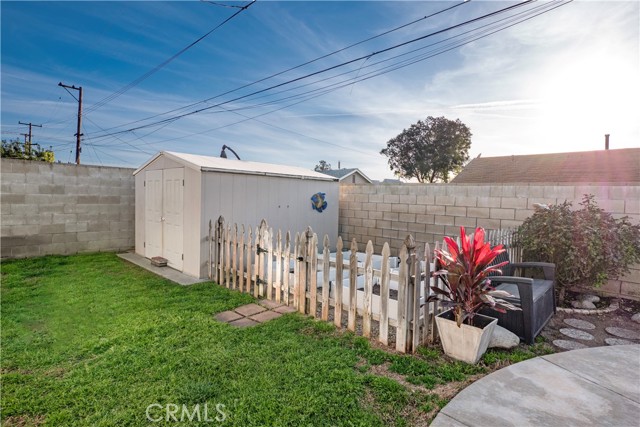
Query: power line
[[300, 65], [388, 49], [118, 138], [55, 110], [164, 63], [330, 88], [111, 155], [409, 61], [221, 4], [94, 149], [546, 5]]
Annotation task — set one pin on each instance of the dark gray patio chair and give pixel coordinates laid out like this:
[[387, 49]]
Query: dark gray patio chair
[[535, 296]]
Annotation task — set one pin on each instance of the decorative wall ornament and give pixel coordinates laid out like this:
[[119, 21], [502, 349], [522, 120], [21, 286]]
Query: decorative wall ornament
[[318, 202]]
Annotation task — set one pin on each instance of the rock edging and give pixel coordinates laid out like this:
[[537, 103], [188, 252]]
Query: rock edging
[[612, 307]]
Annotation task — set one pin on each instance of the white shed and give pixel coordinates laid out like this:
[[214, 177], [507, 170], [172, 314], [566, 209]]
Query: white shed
[[176, 194]]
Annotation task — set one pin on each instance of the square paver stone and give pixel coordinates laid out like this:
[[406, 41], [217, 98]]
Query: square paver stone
[[265, 316], [284, 309], [269, 304], [228, 316], [249, 309], [244, 323]]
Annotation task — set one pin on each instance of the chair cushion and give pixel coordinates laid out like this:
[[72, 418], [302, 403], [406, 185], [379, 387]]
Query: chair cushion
[[540, 287]]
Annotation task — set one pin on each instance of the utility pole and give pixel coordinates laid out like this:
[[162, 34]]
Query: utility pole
[[78, 134], [27, 145]]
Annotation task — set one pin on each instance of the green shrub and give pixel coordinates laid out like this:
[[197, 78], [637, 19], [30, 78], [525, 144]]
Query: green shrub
[[587, 245]]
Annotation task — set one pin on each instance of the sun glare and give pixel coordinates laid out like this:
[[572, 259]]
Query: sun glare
[[583, 99]]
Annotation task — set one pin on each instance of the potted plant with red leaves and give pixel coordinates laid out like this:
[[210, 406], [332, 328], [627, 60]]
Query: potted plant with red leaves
[[464, 272]]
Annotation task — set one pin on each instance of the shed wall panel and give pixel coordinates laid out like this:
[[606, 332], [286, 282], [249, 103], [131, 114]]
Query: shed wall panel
[[250, 199], [139, 213], [284, 202], [193, 237], [172, 213], [153, 214]]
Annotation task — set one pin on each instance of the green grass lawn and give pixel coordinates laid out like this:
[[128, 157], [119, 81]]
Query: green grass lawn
[[94, 340]]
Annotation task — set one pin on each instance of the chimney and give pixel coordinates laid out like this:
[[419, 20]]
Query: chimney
[[338, 164], [606, 141]]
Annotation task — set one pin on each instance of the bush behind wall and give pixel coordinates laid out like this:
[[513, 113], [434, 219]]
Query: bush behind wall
[[588, 245]]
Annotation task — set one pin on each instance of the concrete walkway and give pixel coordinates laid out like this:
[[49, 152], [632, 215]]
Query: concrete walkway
[[166, 272], [597, 386]]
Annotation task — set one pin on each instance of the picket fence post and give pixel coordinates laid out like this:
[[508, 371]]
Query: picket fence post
[[287, 266], [219, 250], [383, 333], [403, 280], [337, 314], [325, 278], [353, 272], [312, 272], [209, 239]]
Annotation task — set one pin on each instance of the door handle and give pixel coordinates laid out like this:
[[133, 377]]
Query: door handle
[[161, 218]]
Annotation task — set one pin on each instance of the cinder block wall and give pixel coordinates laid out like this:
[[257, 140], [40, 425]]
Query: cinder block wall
[[64, 209], [387, 213]]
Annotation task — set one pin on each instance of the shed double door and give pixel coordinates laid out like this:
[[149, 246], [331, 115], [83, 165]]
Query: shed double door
[[164, 215]]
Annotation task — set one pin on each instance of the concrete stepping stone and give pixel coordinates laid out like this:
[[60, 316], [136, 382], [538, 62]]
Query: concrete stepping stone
[[228, 316], [617, 341], [580, 324], [244, 323], [576, 334], [250, 309], [265, 316], [623, 333], [568, 345], [284, 309], [269, 304]]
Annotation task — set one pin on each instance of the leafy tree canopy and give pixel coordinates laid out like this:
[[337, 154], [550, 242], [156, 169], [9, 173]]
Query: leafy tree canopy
[[429, 150], [322, 166], [17, 150]]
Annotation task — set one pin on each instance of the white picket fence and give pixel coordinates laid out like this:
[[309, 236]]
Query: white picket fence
[[508, 238], [337, 286]]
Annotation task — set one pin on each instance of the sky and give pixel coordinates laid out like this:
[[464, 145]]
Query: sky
[[556, 82]]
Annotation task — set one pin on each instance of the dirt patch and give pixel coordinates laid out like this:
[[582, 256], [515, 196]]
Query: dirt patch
[[55, 372], [417, 411], [416, 416], [5, 371], [23, 421], [383, 371]]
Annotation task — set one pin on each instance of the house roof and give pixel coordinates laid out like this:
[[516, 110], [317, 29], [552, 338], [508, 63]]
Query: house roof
[[622, 165], [218, 164], [342, 174]]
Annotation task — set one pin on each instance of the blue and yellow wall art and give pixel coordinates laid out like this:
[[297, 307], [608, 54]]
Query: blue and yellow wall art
[[318, 202]]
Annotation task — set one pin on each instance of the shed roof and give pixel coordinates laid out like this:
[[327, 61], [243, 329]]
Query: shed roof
[[341, 174], [621, 165], [218, 164]]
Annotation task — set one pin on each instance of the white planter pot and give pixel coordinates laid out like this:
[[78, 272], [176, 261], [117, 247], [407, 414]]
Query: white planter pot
[[465, 343]]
